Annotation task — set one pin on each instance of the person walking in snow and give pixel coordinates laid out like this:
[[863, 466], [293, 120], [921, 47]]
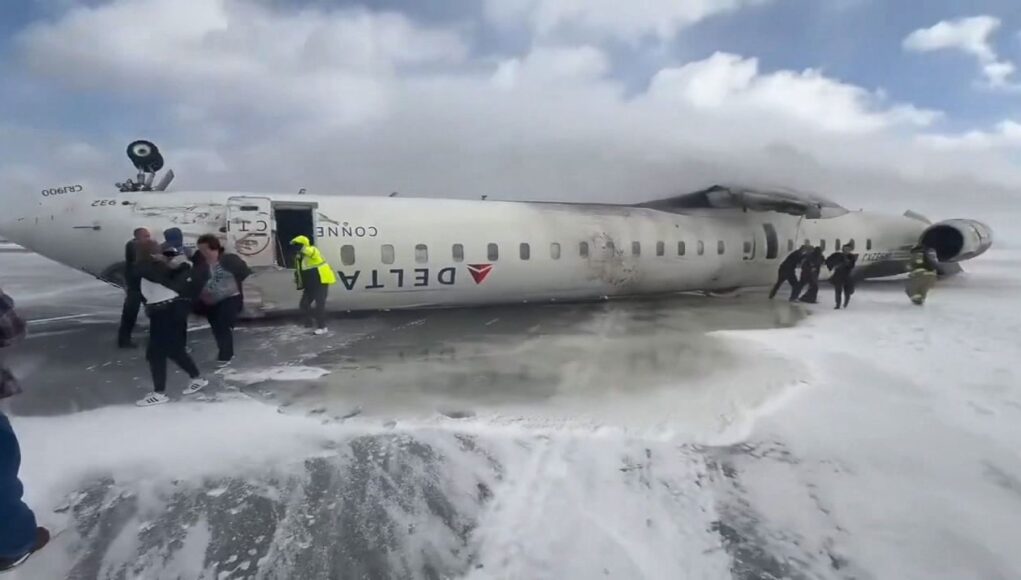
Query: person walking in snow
[[218, 276], [787, 272], [166, 287], [842, 265], [313, 276], [20, 536], [811, 267]]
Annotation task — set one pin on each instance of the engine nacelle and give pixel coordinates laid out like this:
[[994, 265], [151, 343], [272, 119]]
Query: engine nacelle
[[958, 239]]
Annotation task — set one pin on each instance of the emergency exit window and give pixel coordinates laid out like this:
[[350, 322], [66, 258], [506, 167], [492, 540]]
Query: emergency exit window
[[387, 254], [493, 252], [636, 248], [660, 248], [720, 247], [525, 251], [347, 255], [681, 249], [701, 248], [583, 249], [421, 253], [554, 251]]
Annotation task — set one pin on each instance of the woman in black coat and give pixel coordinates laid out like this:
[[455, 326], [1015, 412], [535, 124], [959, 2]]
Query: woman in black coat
[[218, 279], [165, 286]]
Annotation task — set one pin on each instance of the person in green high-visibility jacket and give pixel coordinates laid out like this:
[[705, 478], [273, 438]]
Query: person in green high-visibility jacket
[[923, 269], [313, 276]]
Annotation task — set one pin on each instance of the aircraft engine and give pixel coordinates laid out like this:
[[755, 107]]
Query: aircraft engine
[[957, 240]]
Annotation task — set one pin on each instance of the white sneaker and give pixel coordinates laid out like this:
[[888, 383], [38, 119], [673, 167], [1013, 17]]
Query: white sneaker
[[320, 331], [222, 363], [195, 386], [153, 399]]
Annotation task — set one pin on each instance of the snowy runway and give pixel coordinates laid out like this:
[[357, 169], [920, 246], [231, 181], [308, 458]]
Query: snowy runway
[[693, 439]]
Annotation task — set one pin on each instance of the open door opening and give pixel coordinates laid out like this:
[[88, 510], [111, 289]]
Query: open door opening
[[292, 221]]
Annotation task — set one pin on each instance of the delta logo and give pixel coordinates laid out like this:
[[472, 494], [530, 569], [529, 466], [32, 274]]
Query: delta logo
[[479, 272]]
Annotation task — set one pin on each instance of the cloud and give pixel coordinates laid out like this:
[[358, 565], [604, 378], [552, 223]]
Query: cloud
[[363, 102], [728, 81], [1006, 134], [969, 35], [233, 57], [624, 21]]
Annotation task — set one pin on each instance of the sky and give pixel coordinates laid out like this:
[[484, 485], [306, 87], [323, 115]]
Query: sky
[[519, 99]]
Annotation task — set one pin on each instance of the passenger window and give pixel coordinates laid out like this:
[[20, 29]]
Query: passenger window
[[347, 255], [421, 253], [660, 248], [636, 248], [458, 252], [493, 252], [583, 249], [822, 244], [720, 247], [868, 244], [851, 243], [701, 248], [837, 246], [554, 251], [525, 251], [611, 248], [790, 245], [387, 254], [680, 248], [747, 247]]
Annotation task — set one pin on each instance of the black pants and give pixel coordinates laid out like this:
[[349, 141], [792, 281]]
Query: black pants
[[168, 337], [129, 315], [791, 279], [811, 280], [314, 293], [222, 317], [843, 290]]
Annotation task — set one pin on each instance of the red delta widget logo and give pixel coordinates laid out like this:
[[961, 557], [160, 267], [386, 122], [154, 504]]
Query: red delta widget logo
[[480, 272], [395, 278]]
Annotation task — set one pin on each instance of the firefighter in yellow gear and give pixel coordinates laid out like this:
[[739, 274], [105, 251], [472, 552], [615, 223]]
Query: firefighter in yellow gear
[[313, 276], [922, 273]]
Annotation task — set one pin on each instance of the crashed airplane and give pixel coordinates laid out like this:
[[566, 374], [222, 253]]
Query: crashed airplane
[[394, 252]]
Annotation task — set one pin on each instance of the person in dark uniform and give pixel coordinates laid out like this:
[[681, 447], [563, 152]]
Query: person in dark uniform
[[811, 267], [842, 265], [132, 292], [787, 272]]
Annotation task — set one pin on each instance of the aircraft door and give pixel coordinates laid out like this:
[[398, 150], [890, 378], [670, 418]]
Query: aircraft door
[[250, 229], [750, 246]]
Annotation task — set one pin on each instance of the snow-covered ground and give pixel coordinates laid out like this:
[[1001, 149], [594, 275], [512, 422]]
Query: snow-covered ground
[[879, 442]]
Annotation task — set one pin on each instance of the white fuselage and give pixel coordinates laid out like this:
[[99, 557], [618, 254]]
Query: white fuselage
[[417, 252]]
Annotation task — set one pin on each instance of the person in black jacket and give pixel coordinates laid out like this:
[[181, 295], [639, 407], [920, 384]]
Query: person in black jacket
[[787, 272], [132, 294], [842, 265], [166, 287], [811, 267], [218, 279]]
